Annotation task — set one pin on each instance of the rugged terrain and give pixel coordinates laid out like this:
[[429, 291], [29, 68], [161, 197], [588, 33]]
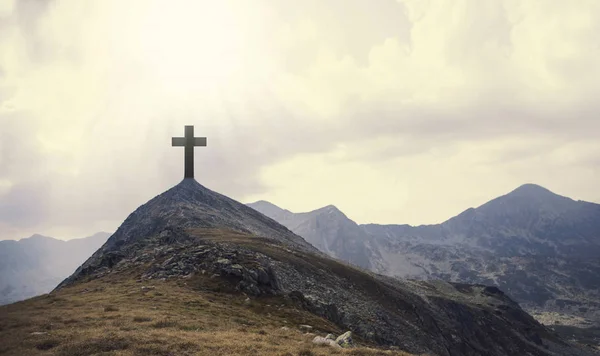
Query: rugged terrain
[[117, 315], [539, 247], [208, 243], [35, 265]]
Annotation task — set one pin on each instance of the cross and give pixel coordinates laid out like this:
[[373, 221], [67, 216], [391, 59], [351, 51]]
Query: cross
[[189, 142]]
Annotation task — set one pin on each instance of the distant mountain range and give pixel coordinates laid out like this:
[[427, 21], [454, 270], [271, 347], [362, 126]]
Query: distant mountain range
[[541, 248], [35, 265]]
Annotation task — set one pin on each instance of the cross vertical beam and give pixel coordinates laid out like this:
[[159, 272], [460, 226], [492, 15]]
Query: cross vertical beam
[[189, 142], [189, 152]]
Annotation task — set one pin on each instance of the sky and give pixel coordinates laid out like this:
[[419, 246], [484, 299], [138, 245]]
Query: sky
[[395, 111]]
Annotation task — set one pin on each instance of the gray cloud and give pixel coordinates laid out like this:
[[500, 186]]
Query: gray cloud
[[92, 159]]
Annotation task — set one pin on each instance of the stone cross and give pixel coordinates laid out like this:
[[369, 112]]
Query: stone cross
[[189, 142]]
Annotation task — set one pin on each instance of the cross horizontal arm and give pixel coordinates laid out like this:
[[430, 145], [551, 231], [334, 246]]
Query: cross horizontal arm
[[178, 142], [199, 141]]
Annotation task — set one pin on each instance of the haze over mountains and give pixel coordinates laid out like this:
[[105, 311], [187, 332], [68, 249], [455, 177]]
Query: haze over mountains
[[35, 265], [539, 247]]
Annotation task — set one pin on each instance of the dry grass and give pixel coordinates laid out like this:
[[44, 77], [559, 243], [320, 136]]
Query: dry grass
[[115, 317]]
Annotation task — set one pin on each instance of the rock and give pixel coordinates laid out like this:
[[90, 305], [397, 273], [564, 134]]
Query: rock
[[166, 263], [305, 328], [223, 261], [345, 340], [247, 301], [235, 270], [262, 276], [320, 340], [330, 337], [285, 328], [145, 288], [38, 333]]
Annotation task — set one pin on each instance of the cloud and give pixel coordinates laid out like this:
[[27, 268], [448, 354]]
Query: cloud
[[396, 102]]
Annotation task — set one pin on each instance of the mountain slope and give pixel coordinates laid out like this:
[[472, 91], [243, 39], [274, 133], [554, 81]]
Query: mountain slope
[[328, 229], [539, 247], [531, 220], [35, 265], [212, 244]]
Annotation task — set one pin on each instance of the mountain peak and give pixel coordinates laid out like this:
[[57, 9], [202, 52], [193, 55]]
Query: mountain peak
[[191, 205], [531, 189], [169, 217], [265, 204], [329, 208], [38, 237]]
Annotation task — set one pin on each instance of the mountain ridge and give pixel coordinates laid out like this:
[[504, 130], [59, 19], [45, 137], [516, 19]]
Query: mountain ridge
[[192, 234], [35, 265], [538, 246]]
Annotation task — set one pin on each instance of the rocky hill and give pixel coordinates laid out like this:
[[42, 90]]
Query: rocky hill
[[540, 248], [214, 244], [35, 265]]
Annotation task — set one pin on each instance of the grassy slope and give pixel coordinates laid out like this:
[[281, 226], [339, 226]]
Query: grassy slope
[[199, 316]]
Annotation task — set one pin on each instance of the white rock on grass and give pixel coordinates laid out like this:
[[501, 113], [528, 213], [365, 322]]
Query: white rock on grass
[[345, 340], [320, 340], [305, 328]]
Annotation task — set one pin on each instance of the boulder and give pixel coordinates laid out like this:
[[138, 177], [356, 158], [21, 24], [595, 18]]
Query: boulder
[[320, 340], [345, 340], [305, 328]]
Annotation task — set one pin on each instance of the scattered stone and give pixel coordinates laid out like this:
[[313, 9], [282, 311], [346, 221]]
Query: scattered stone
[[345, 340], [285, 328], [305, 328], [223, 261], [330, 337], [320, 340], [39, 333], [147, 288], [247, 301]]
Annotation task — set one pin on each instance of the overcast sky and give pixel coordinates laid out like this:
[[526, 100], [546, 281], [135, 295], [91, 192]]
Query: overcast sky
[[395, 111]]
